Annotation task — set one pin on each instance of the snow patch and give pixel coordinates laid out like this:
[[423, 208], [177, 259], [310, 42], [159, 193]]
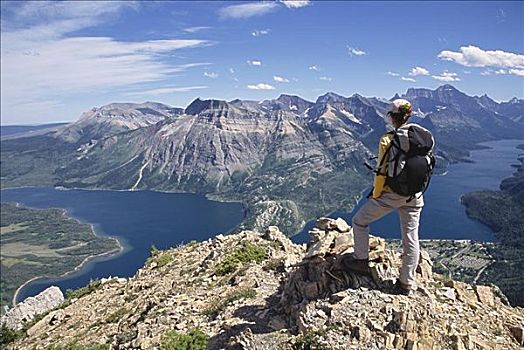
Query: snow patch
[[350, 116]]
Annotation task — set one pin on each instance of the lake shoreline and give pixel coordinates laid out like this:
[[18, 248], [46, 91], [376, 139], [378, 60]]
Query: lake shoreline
[[109, 254]]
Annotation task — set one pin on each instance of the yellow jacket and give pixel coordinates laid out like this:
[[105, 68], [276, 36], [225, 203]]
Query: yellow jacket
[[379, 183]]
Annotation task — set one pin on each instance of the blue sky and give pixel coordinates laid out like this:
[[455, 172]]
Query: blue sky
[[59, 59]]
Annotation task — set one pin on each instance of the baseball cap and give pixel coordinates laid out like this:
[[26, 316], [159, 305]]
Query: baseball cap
[[400, 106]]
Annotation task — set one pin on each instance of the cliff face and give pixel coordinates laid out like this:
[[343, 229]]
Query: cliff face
[[261, 291]]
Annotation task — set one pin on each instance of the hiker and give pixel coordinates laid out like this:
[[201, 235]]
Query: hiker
[[385, 196]]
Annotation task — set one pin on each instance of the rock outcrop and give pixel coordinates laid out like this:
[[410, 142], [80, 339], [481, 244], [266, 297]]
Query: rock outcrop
[[261, 291], [31, 307]]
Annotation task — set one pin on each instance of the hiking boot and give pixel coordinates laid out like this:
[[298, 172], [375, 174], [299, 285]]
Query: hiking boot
[[401, 289], [359, 266]]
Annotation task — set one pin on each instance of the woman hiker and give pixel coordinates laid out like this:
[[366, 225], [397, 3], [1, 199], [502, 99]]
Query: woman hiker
[[383, 200]]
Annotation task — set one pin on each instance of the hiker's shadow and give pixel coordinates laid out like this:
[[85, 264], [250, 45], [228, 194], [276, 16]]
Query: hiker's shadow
[[310, 280]]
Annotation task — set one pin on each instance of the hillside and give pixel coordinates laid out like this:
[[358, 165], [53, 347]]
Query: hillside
[[261, 291], [279, 157]]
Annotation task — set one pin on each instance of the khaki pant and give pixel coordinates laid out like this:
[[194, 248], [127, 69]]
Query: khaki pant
[[409, 213]]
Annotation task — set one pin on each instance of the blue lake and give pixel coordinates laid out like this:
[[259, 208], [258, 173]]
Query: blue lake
[[144, 218], [443, 216], [138, 219]]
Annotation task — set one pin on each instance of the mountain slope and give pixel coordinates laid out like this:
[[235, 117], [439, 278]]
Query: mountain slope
[[251, 291], [458, 121], [280, 157], [271, 160], [115, 118]]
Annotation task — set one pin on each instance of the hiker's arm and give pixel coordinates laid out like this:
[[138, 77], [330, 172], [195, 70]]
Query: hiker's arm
[[380, 180]]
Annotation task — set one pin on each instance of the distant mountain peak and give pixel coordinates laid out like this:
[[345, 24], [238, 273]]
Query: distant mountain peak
[[285, 98], [447, 87], [330, 97], [199, 105], [396, 97]]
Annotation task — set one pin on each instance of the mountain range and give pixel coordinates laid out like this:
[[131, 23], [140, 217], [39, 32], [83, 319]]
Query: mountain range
[[279, 157]]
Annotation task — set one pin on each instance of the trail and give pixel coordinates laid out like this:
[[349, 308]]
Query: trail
[[480, 272], [139, 176]]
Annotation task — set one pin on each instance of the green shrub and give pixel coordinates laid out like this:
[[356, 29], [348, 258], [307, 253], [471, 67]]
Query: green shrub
[[243, 255], [80, 292], [8, 335], [159, 257], [192, 243], [194, 340], [163, 259]]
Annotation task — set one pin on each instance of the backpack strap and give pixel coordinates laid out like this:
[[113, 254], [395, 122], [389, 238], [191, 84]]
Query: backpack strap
[[376, 170], [382, 161]]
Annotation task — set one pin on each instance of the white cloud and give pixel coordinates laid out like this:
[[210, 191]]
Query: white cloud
[[408, 79], [280, 79], [45, 20], [247, 10], [260, 32], [82, 65], [393, 74], [355, 52], [418, 71], [43, 64], [446, 76], [315, 68], [231, 70], [261, 86], [254, 62], [295, 3], [519, 72], [513, 71], [195, 29], [212, 75], [166, 90], [472, 56], [326, 78]]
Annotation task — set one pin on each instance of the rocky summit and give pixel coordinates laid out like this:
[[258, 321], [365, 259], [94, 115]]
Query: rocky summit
[[261, 291]]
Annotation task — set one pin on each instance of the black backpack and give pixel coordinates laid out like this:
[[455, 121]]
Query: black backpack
[[410, 160]]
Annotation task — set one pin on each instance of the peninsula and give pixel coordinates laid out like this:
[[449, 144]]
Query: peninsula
[[43, 243]]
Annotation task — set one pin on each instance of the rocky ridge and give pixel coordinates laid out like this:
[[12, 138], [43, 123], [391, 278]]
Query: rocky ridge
[[261, 291]]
